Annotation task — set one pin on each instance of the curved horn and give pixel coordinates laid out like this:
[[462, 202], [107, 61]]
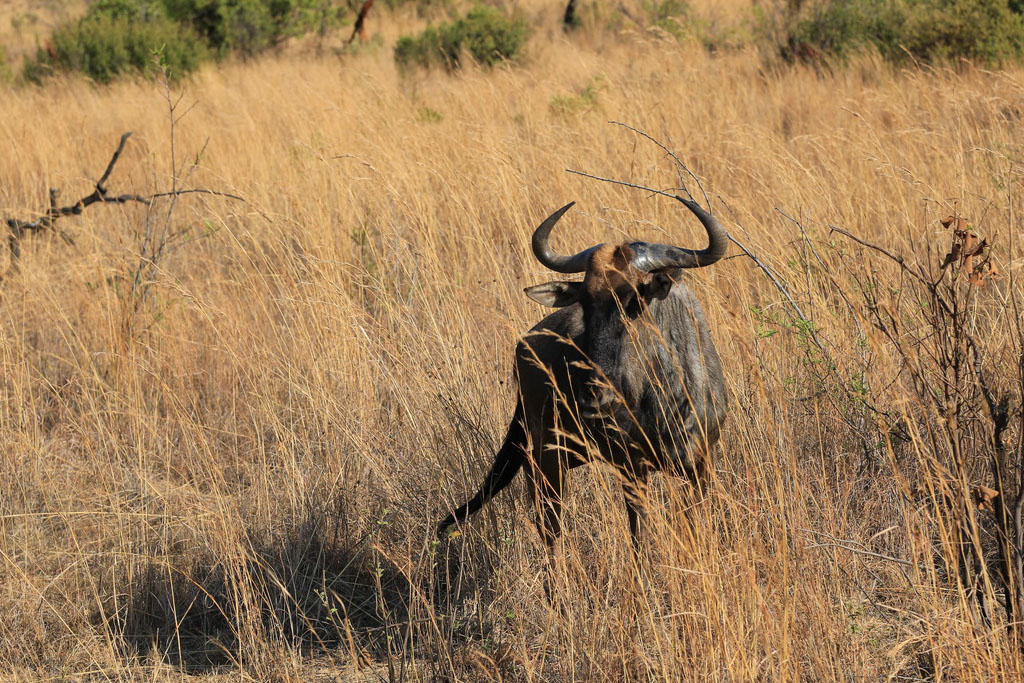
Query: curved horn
[[556, 262], [651, 257]]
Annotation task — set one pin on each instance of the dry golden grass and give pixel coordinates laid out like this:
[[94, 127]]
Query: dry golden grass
[[25, 24], [242, 476]]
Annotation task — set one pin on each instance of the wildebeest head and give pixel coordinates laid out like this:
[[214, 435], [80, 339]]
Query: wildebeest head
[[620, 283]]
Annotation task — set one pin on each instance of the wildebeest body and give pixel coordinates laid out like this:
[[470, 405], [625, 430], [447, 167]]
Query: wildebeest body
[[625, 372], [675, 381]]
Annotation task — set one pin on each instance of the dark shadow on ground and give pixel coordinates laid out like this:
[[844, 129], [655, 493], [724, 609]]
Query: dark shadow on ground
[[311, 587]]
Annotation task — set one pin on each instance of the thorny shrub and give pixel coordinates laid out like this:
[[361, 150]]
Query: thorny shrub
[[948, 424]]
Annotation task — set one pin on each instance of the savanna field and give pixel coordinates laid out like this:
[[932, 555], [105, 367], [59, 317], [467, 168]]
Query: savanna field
[[230, 424]]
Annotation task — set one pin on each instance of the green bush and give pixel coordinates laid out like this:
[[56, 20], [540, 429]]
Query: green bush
[[486, 34], [983, 30], [988, 31], [585, 100], [423, 49], [424, 8], [668, 15], [250, 26], [120, 36], [116, 37]]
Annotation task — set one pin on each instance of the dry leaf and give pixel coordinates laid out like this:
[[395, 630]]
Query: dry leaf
[[953, 255], [961, 222], [967, 252], [984, 498]]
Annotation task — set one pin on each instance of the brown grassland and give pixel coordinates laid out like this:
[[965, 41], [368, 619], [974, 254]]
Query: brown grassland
[[25, 24], [228, 460]]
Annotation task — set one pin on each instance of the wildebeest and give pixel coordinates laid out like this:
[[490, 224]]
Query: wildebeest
[[624, 370]]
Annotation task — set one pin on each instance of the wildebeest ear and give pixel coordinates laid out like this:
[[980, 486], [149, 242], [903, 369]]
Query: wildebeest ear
[[555, 294], [661, 283]]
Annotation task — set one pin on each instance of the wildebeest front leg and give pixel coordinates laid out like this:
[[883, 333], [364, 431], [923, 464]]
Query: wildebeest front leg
[[546, 485]]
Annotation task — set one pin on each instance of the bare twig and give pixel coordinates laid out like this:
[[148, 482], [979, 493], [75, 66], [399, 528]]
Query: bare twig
[[178, 193], [760, 264], [18, 229], [860, 551], [775, 281], [898, 260], [625, 184], [675, 158]]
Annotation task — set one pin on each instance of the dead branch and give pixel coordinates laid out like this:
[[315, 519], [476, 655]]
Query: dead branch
[[359, 29], [859, 551], [18, 229], [895, 258], [950, 352], [676, 159]]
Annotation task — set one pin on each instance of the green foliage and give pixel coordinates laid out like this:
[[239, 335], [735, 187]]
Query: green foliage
[[250, 26], [668, 15], [423, 49], [984, 30], [583, 101], [20, 20], [424, 8], [116, 37], [121, 36], [988, 31], [428, 115], [489, 36], [486, 34]]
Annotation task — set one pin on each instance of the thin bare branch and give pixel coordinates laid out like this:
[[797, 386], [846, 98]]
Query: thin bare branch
[[197, 190], [771, 276], [18, 229], [860, 551], [624, 183], [898, 260], [675, 158], [113, 160], [760, 264]]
